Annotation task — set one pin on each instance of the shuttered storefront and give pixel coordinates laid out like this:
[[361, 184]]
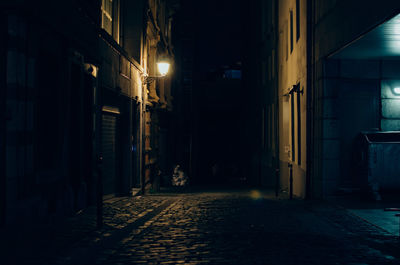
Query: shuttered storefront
[[109, 150]]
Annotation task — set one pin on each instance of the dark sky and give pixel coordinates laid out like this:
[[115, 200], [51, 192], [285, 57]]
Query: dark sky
[[218, 32]]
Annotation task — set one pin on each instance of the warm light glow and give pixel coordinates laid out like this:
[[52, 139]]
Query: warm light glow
[[396, 90], [255, 194], [163, 68]]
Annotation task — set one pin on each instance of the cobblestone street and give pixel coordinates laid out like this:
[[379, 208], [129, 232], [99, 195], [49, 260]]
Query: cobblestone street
[[219, 228]]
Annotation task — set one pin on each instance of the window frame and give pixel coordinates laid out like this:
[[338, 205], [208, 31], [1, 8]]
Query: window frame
[[110, 10]]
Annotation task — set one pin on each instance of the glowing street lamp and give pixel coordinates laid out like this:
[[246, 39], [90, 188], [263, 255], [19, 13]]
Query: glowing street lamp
[[163, 67]]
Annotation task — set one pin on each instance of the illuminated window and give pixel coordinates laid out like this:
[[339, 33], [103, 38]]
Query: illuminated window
[[110, 17]]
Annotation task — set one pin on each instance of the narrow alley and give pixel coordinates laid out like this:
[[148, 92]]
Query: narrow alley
[[199, 132], [214, 227]]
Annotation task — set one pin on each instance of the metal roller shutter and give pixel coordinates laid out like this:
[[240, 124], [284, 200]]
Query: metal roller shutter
[[109, 129]]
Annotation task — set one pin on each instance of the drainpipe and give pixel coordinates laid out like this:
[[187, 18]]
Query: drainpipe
[[276, 91], [98, 149], [3, 84], [290, 165], [130, 126], [142, 143], [99, 197], [310, 97], [143, 151]]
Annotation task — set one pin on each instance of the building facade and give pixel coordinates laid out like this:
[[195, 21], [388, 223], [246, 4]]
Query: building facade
[[78, 108], [324, 73]]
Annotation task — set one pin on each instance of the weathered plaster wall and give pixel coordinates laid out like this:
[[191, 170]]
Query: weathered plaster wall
[[292, 70]]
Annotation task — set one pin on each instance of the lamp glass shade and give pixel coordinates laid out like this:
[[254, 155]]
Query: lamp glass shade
[[396, 90], [163, 67]]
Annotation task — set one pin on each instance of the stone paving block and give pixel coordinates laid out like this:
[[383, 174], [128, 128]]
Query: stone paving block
[[231, 228]]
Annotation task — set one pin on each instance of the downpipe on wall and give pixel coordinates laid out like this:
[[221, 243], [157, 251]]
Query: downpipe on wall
[[98, 99], [99, 203], [3, 118], [290, 165], [276, 91], [277, 182], [310, 98]]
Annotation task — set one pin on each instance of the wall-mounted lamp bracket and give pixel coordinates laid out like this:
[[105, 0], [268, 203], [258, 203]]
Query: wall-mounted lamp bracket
[[295, 89], [149, 79], [163, 67]]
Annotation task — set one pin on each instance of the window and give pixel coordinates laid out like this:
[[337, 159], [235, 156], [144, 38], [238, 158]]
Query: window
[[298, 125], [296, 110], [291, 31], [286, 39], [106, 21], [292, 127], [110, 17], [297, 20]]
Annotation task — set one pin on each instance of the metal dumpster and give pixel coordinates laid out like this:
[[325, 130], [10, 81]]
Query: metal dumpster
[[381, 154]]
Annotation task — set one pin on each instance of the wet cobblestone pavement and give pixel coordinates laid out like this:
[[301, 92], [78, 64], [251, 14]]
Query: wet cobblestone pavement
[[226, 228]]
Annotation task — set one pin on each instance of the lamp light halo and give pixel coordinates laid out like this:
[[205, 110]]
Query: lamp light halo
[[163, 67], [396, 90]]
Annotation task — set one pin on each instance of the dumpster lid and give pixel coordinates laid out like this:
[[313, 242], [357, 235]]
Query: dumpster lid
[[382, 137]]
